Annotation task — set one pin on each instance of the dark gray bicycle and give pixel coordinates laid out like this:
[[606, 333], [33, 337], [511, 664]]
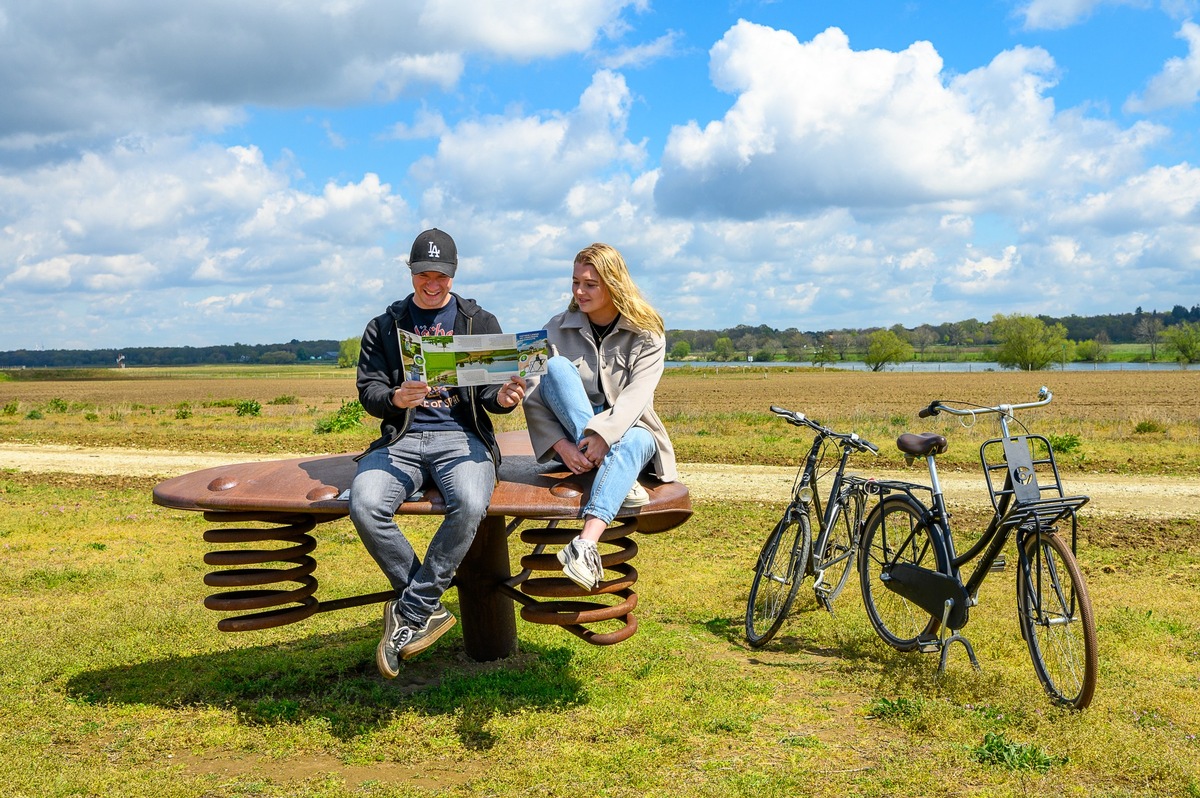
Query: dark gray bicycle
[[912, 585], [817, 535]]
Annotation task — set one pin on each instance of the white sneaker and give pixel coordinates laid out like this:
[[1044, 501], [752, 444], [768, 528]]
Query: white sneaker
[[637, 496], [581, 563]]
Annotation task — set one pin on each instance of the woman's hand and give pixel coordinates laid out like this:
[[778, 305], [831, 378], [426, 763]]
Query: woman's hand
[[572, 456], [594, 448], [512, 392]]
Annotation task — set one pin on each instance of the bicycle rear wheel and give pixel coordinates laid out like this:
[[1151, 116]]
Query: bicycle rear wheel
[[781, 568], [834, 551], [1056, 619], [894, 534]]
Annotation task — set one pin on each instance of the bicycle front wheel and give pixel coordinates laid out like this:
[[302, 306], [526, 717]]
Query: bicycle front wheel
[[833, 553], [1056, 620], [894, 533], [780, 570]]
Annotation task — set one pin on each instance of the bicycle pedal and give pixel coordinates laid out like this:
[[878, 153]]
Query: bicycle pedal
[[929, 645], [999, 565]]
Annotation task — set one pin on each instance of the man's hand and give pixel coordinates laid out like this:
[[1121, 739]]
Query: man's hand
[[410, 393]]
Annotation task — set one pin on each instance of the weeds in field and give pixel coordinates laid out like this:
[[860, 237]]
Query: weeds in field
[[1066, 443], [249, 407], [900, 708], [997, 750], [347, 418]]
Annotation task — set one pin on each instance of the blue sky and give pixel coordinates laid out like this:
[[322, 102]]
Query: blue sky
[[199, 173]]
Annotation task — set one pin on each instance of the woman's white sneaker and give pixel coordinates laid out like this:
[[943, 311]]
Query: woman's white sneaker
[[581, 563], [637, 496]]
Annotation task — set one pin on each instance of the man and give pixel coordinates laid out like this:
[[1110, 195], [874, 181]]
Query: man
[[439, 435]]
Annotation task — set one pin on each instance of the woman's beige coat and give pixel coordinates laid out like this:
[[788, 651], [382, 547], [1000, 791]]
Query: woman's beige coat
[[621, 375]]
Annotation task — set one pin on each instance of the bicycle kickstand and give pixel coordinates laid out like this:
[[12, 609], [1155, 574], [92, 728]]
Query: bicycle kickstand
[[945, 641]]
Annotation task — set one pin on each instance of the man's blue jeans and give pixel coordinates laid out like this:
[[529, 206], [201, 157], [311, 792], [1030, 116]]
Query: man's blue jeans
[[460, 466], [563, 392]]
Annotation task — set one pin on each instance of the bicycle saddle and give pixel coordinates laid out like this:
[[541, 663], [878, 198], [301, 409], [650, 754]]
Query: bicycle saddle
[[921, 444]]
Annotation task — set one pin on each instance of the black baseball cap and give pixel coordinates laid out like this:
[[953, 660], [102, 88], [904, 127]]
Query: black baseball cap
[[433, 251]]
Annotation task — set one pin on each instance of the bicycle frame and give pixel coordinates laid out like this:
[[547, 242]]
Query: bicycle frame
[[823, 506], [787, 555], [915, 567], [1018, 502]]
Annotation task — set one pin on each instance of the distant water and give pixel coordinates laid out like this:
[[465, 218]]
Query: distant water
[[936, 367]]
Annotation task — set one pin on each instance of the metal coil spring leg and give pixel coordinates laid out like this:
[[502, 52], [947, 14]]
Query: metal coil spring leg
[[290, 529], [572, 615]]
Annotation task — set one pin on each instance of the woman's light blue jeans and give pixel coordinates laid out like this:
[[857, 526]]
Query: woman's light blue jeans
[[460, 466], [563, 392]]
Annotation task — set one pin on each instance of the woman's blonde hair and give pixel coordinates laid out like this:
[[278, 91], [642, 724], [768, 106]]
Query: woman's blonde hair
[[614, 274]]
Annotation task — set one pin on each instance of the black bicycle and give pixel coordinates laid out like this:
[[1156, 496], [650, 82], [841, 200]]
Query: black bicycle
[[836, 516], [912, 586]]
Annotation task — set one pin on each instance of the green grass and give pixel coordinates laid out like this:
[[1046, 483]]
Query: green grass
[[115, 681]]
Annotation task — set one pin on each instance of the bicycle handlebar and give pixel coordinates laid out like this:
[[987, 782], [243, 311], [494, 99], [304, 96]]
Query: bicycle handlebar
[[851, 439], [938, 405]]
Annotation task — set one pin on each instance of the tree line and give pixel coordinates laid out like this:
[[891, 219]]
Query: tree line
[[1015, 341], [292, 352], [1029, 342]]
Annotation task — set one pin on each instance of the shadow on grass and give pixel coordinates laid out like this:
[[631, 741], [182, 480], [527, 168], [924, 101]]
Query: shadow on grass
[[333, 677], [853, 651]]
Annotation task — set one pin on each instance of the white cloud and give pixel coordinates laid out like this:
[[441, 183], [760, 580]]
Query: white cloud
[[877, 128], [1178, 84], [642, 55], [167, 224], [1057, 14], [533, 161], [1160, 196], [171, 67]]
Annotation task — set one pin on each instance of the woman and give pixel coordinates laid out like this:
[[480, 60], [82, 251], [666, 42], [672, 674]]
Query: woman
[[594, 407]]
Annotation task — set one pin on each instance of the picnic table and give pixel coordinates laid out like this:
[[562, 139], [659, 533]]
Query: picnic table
[[283, 502]]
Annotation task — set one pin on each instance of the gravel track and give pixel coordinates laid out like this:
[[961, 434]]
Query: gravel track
[[1112, 494]]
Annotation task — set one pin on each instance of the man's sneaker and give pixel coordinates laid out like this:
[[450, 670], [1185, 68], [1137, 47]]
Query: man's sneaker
[[637, 496], [434, 627], [395, 628], [581, 563], [402, 639]]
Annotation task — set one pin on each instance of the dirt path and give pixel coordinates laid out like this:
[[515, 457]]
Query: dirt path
[[1138, 496]]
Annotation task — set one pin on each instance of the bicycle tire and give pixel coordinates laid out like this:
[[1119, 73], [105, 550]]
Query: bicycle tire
[[1056, 620], [894, 533], [777, 576], [834, 552]]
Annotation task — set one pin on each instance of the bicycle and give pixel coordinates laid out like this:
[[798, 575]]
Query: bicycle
[[789, 555], [912, 585]]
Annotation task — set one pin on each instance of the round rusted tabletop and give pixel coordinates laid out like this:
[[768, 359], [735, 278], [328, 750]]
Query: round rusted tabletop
[[302, 492]]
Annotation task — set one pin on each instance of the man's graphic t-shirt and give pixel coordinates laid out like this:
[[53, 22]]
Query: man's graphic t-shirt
[[437, 411]]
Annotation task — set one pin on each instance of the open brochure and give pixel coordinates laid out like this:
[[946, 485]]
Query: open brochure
[[473, 359]]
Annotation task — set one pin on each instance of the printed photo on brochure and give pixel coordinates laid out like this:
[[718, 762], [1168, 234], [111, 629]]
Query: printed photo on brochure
[[464, 360]]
